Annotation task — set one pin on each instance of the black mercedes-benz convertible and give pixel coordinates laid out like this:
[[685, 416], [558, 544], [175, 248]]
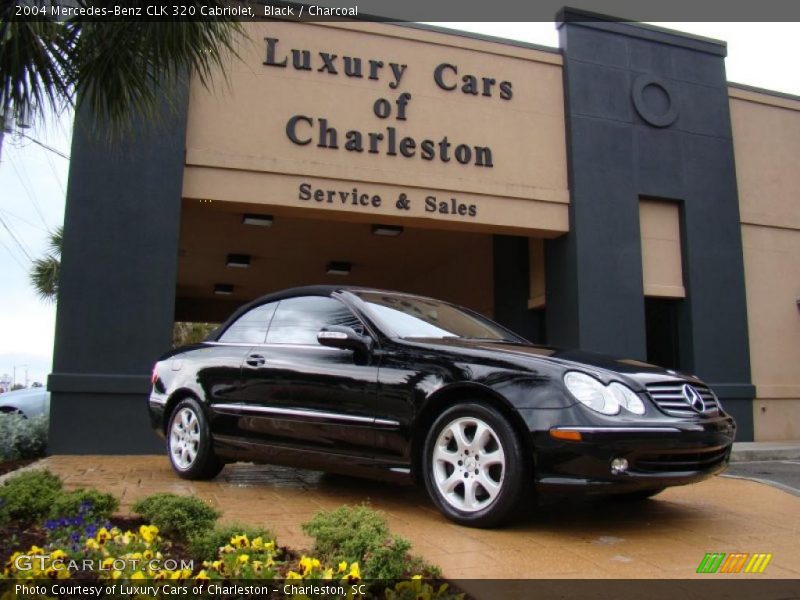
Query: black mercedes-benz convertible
[[392, 385]]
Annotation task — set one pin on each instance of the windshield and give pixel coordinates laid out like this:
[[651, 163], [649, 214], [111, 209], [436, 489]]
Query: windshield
[[415, 317]]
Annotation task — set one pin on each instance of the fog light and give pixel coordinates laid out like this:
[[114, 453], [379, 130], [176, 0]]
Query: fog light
[[619, 466]]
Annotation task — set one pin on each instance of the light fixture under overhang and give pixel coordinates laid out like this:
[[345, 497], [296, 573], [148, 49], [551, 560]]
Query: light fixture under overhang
[[262, 220], [387, 230], [240, 261], [223, 289], [338, 267]]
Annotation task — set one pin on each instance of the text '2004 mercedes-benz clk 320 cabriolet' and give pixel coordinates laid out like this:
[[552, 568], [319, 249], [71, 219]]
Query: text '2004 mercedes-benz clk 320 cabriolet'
[[385, 384]]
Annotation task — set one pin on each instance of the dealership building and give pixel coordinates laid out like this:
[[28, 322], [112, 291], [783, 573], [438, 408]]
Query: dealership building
[[616, 194]]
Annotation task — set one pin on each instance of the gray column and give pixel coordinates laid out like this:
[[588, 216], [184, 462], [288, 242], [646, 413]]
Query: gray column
[[118, 275]]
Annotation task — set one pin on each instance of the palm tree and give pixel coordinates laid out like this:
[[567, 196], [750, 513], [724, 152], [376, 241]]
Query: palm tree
[[45, 270], [114, 68]]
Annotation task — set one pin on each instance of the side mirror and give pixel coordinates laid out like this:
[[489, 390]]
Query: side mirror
[[337, 336]]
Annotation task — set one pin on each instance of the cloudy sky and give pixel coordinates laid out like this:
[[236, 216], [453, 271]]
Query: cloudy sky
[[33, 179]]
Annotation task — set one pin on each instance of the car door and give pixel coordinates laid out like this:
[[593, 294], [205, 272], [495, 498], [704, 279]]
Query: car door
[[220, 366], [307, 395]]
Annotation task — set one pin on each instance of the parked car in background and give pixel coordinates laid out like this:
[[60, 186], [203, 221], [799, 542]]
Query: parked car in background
[[369, 382], [29, 402]]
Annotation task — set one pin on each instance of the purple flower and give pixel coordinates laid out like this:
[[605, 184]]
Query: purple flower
[[50, 524]]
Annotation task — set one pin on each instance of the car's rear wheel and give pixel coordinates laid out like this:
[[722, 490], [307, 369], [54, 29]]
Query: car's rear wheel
[[474, 466], [189, 442]]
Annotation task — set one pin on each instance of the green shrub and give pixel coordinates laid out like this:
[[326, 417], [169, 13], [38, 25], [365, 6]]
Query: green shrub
[[205, 545], [27, 497], [183, 516], [360, 534], [91, 503], [21, 437]]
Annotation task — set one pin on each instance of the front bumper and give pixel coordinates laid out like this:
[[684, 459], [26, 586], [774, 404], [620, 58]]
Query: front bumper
[[659, 454]]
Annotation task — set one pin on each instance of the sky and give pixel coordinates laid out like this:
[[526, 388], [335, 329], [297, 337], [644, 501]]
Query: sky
[[33, 180]]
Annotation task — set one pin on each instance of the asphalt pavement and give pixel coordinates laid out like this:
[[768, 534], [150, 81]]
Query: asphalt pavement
[[783, 474]]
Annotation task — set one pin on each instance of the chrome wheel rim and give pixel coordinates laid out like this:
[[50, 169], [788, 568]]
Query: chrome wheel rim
[[469, 464], [184, 438]]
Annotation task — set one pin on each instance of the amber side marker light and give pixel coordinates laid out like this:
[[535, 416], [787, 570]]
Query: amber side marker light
[[561, 434]]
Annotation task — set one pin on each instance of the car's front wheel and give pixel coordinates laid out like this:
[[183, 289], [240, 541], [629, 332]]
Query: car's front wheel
[[189, 442], [474, 466]]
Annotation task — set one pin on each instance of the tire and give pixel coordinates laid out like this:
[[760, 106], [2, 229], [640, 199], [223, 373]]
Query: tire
[[475, 493], [189, 442]]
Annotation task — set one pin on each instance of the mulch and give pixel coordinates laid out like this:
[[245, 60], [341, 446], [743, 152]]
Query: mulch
[[12, 465]]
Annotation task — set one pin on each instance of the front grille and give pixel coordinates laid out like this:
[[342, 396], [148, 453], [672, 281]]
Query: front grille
[[684, 461], [668, 396]]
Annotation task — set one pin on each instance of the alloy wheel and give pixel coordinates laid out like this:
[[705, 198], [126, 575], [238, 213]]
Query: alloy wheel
[[184, 438], [469, 464]]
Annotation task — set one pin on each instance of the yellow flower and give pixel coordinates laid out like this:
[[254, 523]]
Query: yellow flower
[[327, 573], [107, 562], [240, 541], [147, 554], [58, 555], [307, 564], [257, 543], [116, 574], [103, 535], [137, 575], [148, 532], [218, 566], [342, 567], [257, 566], [243, 558], [355, 572], [202, 576], [160, 576], [293, 575], [227, 549], [35, 551], [91, 544]]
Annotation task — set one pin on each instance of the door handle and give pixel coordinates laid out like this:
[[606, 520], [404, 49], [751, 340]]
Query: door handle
[[255, 360]]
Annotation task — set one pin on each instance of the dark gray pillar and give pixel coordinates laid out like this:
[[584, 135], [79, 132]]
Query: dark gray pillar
[[512, 288], [118, 275], [647, 116]]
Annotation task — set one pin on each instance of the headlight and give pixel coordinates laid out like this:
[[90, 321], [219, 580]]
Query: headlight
[[592, 393], [627, 398]]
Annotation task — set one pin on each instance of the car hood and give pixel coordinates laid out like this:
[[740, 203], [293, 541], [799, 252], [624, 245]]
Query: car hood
[[603, 366]]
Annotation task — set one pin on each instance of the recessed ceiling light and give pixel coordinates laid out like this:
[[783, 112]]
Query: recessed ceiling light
[[223, 289], [241, 261], [338, 267], [387, 230], [262, 220]]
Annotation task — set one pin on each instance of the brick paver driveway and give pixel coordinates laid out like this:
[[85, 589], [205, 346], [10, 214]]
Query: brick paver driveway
[[665, 537]]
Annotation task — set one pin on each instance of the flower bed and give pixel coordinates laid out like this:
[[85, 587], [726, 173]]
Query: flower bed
[[81, 542]]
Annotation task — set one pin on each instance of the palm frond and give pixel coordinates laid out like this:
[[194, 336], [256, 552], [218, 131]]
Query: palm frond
[[44, 277], [115, 68]]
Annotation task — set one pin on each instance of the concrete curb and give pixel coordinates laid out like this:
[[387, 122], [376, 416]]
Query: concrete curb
[[752, 451]]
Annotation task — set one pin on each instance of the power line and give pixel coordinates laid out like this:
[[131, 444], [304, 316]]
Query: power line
[[14, 256], [16, 239], [26, 185], [29, 223], [43, 145]]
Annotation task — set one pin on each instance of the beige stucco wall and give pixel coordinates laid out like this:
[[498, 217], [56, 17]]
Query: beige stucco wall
[[660, 231], [766, 134], [238, 149]]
